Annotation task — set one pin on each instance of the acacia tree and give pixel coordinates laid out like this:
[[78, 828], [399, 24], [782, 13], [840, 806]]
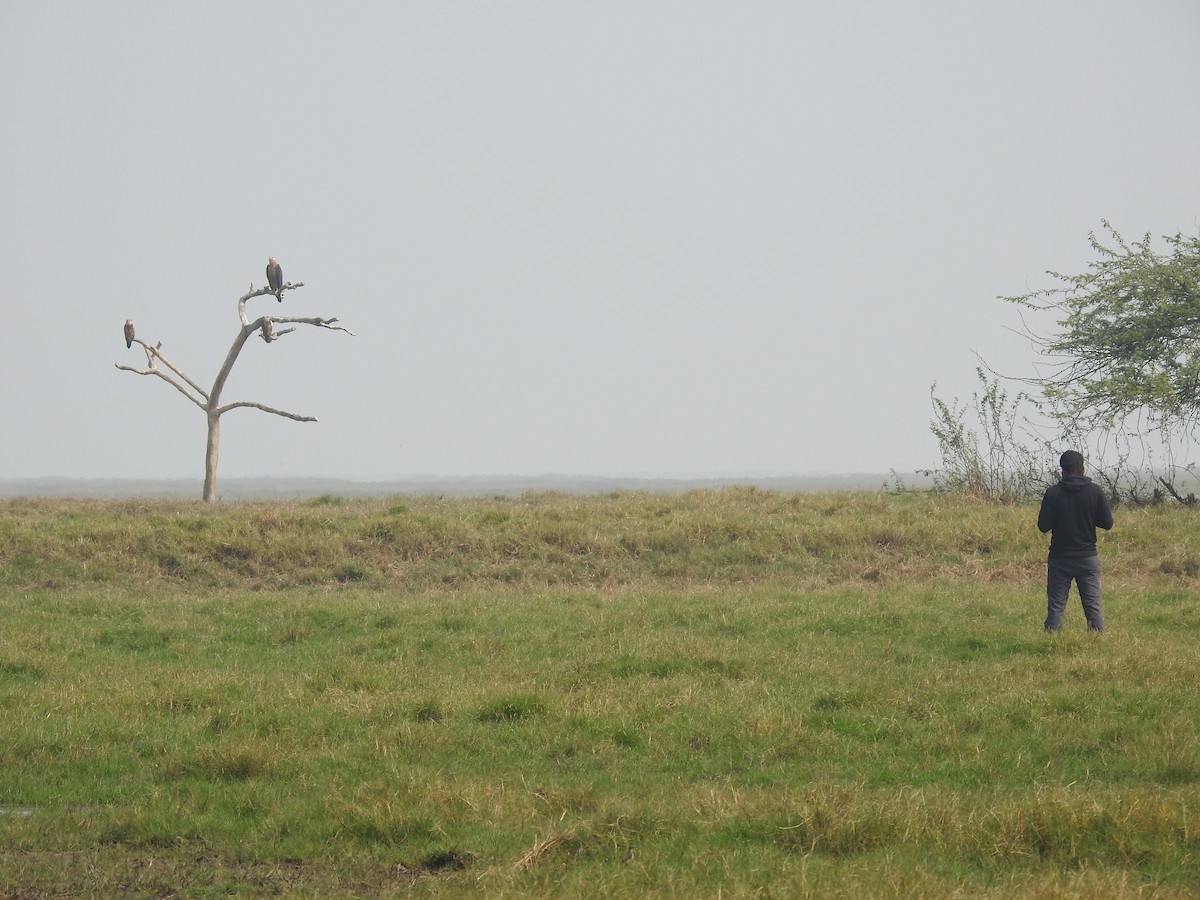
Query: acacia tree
[[1128, 339], [210, 401]]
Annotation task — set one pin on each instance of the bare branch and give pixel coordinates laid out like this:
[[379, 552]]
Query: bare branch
[[266, 291], [1189, 500], [267, 409], [270, 333], [165, 377], [320, 323], [153, 353], [263, 292]]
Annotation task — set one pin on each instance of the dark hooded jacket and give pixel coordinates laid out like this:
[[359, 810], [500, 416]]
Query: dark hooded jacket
[[1073, 509]]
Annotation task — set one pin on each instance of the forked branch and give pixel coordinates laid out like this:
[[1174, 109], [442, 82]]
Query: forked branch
[[165, 377], [263, 292], [200, 398]]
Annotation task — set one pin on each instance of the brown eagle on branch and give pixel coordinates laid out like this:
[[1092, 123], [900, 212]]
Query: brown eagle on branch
[[128, 333], [275, 278]]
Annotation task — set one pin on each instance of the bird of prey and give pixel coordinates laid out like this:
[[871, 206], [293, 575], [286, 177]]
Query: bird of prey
[[275, 278], [128, 333]]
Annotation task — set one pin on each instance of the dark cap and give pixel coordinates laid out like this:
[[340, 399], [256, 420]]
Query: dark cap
[[1071, 461]]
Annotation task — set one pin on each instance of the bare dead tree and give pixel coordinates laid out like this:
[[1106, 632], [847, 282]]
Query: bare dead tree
[[209, 401]]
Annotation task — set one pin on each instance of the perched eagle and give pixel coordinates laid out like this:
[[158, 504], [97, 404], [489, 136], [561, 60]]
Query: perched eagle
[[128, 333], [275, 278]]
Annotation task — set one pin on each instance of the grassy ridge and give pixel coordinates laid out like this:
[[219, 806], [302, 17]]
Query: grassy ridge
[[633, 695], [419, 543]]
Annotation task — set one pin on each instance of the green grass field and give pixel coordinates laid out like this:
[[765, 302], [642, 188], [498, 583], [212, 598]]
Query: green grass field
[[720, 694]]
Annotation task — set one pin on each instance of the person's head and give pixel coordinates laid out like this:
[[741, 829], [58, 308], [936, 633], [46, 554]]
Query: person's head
[[1071, 462]]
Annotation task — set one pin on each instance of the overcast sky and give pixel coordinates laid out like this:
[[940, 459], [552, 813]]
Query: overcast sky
[[602, 238]]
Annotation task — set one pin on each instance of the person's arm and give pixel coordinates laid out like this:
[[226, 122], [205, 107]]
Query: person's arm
[[1104, 517], [1046, 514]]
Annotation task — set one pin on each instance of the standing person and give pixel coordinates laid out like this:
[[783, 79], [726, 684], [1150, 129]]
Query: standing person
[[1072, 510]]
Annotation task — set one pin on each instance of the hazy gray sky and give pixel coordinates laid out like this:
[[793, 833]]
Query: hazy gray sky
[[660, 238]]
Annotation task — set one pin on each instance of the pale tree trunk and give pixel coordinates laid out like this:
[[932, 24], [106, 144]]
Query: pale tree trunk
[[210, 457], [209, 400]]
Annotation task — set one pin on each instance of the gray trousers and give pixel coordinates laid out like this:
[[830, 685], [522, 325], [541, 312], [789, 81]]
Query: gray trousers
[[1085, 572]]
